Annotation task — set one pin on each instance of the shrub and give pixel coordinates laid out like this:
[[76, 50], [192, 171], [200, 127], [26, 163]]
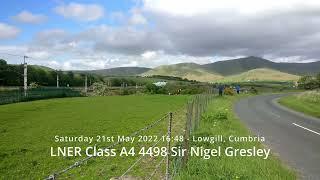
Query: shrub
[[125, 92], [153, 89], [99, 89], [192, 90], [253, 90], [308, 82], [228, 91], [34, 85]]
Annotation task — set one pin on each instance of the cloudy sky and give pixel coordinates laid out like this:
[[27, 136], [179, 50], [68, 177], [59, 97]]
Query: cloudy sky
[[110, 33]]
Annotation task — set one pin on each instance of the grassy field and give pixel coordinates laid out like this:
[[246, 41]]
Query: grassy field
[[220, 120], [27, 132], [306, 102]]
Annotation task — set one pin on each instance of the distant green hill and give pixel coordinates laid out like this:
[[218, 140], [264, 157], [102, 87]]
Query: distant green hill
[[242, 69], [120, 71], [213, 71], [236, 66], [42, 67], [238, 70], [261, 74], [189, 71]]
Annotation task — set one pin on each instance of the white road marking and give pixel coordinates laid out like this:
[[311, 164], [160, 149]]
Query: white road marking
[[306, 128], [276, 115]]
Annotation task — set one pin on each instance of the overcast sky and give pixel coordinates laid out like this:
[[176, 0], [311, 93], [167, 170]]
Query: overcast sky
[[105, 34]]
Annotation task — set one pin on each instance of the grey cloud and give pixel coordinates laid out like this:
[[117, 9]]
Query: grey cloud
[[279, 33], [289, 32], [224, 34], [127, 40]]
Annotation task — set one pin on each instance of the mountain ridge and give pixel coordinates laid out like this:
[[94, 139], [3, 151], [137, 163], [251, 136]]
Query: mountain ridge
[[234, 69], [224, 68], [120, 71], [240, 69], [240, 65]]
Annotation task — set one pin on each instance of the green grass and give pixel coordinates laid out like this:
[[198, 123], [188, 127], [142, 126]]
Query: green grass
[[220, 120], [307, 102], [27, 132]]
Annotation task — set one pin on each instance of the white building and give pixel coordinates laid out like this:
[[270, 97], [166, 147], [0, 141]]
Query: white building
[[160, 83]]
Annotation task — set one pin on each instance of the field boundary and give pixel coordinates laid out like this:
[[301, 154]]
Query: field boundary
[[18, 95]]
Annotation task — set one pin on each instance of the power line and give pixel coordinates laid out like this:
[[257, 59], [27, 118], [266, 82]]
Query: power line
[[10, 54], [18, 55]]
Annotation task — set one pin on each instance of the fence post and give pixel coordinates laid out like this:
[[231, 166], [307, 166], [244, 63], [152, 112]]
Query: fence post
[[196, 118], [57, 79], [187, 136], [25, 76], [201, 111], [168, 147], [86, 85], [191, 124]]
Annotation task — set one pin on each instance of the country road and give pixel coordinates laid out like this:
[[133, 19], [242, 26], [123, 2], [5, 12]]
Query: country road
[[294, 137]]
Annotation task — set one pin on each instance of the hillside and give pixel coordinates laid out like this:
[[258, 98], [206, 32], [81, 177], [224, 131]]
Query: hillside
[[189, 71], [243, 69], [213, 71], [261, 74], [45, 68], [120, 71], [236, 66]]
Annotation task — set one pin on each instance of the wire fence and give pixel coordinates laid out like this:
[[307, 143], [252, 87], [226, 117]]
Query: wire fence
[[8, 96], [175, 126]]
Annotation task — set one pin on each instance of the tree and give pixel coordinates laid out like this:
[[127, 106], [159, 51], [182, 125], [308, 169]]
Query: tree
[[3, 63], [12, 75], [307, 82], [3, 67], [115, 82], [318, 79], [151, 88]]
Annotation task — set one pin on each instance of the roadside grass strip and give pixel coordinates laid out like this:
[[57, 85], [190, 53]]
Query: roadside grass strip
[[220, 120], [307, 102]]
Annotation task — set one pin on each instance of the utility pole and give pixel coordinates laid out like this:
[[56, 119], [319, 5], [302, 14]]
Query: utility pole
[[25, 76], [86, 84], [57, 79], [136, 88]]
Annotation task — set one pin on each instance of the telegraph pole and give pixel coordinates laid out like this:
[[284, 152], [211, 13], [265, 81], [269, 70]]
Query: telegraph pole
[[25, 76], [57, 79], [86, 84]]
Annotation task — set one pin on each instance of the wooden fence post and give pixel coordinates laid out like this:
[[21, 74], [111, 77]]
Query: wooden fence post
[[186, 136], [168, 147], [196, 118]]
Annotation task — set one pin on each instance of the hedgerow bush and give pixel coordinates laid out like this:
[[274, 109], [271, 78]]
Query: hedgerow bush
[[229, 91]]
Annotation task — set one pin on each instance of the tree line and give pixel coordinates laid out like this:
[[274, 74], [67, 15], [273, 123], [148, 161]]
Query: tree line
[[12, 75]]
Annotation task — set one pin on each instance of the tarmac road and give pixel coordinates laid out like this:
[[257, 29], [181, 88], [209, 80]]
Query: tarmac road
[[293, 136]]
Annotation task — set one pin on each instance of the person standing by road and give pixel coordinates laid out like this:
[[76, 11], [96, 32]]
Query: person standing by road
[[238, 89], [220, 88]]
